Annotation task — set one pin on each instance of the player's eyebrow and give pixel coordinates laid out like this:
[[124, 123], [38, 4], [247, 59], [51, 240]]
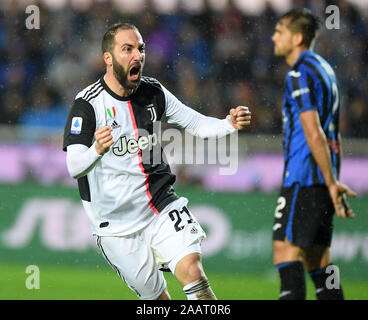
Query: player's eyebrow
[[278, 28], [127, 45], [140, 46]]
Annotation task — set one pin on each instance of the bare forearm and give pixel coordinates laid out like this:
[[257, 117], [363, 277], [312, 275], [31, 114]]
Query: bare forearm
[[339, 154], [319, 148]]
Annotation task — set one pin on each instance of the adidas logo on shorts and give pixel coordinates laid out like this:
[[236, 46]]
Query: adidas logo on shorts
[[194, 230]]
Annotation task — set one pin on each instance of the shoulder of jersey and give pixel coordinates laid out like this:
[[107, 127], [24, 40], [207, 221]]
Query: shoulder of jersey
[[304, 65], [298, 70], [90, 92], [148, 82]]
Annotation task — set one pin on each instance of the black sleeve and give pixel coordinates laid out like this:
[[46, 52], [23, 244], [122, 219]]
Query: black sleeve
[[80, 125]]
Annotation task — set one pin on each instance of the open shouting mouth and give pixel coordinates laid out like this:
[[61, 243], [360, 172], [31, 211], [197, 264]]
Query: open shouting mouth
[[135, 72]]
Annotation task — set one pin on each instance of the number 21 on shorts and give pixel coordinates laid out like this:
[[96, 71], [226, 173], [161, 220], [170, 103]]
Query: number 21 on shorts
[[175, 215]]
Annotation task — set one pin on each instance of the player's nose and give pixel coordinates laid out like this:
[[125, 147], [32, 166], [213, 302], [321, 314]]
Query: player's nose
[[138, 55]]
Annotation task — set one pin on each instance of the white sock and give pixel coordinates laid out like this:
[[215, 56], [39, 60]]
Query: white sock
[[199, 290]]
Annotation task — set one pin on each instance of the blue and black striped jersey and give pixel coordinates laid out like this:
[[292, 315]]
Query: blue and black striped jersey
[[311, 84]]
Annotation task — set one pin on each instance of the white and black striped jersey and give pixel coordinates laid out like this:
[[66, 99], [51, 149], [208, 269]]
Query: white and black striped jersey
[[127, 186]]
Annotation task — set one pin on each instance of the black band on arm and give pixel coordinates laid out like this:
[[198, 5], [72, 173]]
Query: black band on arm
[[80, 125]]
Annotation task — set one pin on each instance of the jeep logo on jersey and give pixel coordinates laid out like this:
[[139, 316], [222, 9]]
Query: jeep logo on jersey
[[133, 145]]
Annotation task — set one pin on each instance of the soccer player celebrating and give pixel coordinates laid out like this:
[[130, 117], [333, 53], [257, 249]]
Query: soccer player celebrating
[[142, 227], [311, 191]]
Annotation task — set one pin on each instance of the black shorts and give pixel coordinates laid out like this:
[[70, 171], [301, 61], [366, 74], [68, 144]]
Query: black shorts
[[304, 215]]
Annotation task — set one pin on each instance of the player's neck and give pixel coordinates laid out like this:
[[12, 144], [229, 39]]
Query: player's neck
[[294, 55], [115, 86]]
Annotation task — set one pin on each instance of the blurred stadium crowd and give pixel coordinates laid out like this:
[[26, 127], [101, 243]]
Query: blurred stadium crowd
[[212, 60]]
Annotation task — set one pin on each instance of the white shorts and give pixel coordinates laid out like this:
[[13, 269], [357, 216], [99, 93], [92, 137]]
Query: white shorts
[[138, 257]]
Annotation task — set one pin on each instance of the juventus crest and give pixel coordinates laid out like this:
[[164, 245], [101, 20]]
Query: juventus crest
[[152, 112]]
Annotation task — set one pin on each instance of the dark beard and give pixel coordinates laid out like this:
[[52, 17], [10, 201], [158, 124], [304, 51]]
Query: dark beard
[[122, 76]]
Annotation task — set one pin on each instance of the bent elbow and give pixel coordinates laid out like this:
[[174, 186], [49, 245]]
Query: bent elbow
[[74, 174], [78, 175], [316, 138], [73, 170]]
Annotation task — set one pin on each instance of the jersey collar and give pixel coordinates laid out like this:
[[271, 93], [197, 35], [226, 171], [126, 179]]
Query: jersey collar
[[112, 93], [305, 53]]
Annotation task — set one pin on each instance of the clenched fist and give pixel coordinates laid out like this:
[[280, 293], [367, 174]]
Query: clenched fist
[[103, 139], [240, 117]]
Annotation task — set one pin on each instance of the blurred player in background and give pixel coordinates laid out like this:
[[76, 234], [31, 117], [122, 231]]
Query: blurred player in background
[[311, 191], [141, 225]]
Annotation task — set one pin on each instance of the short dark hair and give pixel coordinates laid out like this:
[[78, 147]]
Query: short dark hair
[[109, 36], [304, 21]]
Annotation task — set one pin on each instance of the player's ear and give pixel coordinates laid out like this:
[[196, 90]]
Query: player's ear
[[298, 38], [107, 58]]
